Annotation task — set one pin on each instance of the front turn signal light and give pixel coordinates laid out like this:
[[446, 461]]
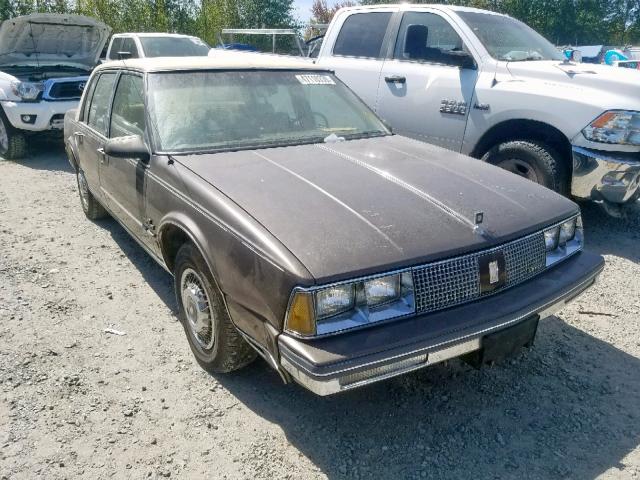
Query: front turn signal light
[[301, 317]]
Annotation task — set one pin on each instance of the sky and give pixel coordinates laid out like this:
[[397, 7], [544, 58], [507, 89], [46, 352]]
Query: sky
[[303, 9]]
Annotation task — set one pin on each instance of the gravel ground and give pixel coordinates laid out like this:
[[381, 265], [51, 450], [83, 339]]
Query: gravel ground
[[78, 402]]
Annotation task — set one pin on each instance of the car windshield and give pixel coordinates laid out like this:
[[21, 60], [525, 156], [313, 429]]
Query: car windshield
[[195, 111], [508, 39], [174, 47]]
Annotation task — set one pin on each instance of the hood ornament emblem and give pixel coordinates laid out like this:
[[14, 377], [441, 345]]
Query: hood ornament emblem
[[477, 229]]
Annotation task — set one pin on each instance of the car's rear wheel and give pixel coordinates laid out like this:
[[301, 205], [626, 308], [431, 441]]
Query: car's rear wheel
[[213, 339], [90, 206], [533, 160], [13, 144]]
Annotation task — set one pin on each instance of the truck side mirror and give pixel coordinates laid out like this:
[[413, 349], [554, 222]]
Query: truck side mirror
[[131, 146], [461, 59]]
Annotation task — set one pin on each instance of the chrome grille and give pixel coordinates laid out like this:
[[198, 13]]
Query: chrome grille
[[457, 280]]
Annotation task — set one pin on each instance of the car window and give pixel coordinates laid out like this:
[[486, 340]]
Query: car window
[[116, 46], [87, 99], [174, 47], [207, 111], [129, 45], [127, 115], [362, 35], [426, 37], [98, 117]]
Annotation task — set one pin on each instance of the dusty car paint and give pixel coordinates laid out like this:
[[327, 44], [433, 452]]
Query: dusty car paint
[[268, 220]]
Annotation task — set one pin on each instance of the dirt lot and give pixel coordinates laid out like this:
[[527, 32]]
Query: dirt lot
[[79, 402]]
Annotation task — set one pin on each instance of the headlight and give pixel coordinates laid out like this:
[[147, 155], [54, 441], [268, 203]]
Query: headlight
[[616, 126], [27, 90], [351, 304], [563, 240]]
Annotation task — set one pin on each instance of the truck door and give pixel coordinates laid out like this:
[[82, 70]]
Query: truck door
[[422, 93], [123, 179], [357, 55]]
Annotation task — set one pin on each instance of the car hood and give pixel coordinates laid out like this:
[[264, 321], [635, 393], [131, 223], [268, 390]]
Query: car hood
[[623, 83], [49, 39], [364, 206]]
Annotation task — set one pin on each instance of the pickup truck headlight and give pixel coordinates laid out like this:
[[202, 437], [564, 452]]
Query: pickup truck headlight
[[616, 126], [563, 240], [27, 91], [351, 304]]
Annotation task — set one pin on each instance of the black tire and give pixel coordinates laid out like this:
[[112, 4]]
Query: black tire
[[92, 209], [533, 160], [13, 144], [220, 348]]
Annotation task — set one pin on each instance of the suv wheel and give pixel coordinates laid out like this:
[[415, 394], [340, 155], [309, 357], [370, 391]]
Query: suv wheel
[[13, 145], [213, 339], [533, 160], [90, 206]]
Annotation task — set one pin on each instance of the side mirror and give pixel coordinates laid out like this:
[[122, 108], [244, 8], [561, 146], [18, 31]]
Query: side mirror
[[131, 146], [461, 59], [573, 55]]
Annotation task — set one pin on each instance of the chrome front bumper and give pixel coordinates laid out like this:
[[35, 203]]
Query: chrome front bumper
[[311, 365], [605, 176]]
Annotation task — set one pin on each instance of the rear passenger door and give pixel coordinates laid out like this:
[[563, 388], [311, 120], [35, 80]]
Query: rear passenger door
[[123, 179], [95, 121], [422, 93], [359, 49]]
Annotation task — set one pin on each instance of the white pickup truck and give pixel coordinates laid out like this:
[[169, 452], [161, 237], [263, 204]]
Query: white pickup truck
[[147, 44], [488, 86], [45, 62]]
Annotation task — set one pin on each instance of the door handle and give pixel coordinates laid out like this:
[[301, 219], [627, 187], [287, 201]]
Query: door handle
[[79, 136], [103, 157], [395, 79]]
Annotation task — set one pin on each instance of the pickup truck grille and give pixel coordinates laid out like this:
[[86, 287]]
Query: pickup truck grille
[[67, 89], [455, 281]]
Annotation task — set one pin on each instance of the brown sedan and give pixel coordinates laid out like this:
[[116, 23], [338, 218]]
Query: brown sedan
[[298, 227]]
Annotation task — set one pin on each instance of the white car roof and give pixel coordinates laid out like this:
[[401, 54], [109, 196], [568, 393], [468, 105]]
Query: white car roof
[[151, 34], [437, 6], [239, 61]]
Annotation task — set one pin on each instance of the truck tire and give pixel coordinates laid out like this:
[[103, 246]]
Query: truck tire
[[215, 342], [90, 206], [533, 160], [13, 144]]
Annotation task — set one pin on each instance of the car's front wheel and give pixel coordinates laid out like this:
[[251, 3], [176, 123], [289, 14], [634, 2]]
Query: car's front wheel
[[90, 206], [213, 339], [533, 160], [13, 144]]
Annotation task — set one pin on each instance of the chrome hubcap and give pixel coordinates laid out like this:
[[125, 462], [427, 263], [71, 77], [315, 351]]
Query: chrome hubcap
[[197, 308], [4, 137], [520, 168], [83, 188]]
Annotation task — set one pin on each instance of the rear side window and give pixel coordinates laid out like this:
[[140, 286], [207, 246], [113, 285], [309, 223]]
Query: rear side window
[[98, 117], [127, 116], [129, 45], [116, 46], [362, 35]]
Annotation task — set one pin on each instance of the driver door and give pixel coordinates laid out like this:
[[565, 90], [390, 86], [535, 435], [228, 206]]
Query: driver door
[[122, 180], [421, 93]]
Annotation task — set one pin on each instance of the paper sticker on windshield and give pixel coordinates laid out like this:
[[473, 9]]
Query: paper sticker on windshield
[[315, 79]]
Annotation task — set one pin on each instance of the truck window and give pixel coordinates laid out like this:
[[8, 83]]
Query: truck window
[[426, 37], [116, 46], [98, 117], [127, 115], [362, 35], [128, 45]]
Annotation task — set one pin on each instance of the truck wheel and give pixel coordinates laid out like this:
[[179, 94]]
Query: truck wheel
[[213, 339], [90, 206], [13, 145], [532, 160]]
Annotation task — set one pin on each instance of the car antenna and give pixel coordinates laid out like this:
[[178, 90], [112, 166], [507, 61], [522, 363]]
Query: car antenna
[[35, 47]]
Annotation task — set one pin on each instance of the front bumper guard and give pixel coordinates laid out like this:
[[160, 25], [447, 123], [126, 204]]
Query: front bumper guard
[[337, 377], [605, 176]]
